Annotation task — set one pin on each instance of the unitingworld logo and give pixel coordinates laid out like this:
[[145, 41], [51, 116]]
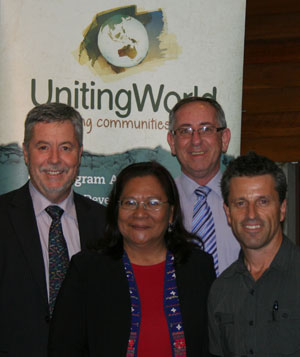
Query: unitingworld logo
[[124, 41]]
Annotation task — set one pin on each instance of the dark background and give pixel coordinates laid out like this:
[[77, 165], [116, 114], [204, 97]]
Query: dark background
[[271, 89]]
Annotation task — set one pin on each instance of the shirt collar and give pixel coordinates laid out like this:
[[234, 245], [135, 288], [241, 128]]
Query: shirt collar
[[40, 202], [280, 261], [189, 185]]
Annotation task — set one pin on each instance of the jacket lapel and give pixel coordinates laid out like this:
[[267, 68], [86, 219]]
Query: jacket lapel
[[23, 219], [82, 211]]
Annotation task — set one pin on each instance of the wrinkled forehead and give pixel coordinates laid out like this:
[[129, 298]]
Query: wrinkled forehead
[[195, 114], [252, 186]]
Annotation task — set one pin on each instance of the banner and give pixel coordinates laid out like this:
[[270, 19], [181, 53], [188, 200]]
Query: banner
[[123, 65]]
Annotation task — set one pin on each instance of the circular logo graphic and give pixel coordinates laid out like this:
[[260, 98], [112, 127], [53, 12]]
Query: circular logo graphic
[[123, 41]]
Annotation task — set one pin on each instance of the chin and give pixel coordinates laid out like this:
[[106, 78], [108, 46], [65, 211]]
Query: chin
[[53, 189]]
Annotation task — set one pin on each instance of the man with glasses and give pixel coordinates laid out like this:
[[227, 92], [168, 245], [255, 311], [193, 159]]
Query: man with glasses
[[197, 136]]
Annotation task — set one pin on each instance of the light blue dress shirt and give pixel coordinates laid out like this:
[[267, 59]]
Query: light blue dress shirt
[[227, 246], [68, 220]]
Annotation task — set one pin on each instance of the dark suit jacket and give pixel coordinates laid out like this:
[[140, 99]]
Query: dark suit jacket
[[24, 315], [92, 314]]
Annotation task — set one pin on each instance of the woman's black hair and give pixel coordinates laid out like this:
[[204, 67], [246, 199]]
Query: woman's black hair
[[177, 239]]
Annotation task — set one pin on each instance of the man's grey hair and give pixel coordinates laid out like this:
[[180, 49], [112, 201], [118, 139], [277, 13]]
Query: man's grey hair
[[49, 113], [220, 115]]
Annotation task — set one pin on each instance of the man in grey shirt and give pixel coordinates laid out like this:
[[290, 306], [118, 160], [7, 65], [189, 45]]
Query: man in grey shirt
[[52, 152], [254, 306], [198, 135]]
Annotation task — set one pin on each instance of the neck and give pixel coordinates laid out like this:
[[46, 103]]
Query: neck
[[258, 261], [146, 255], [203, 178]]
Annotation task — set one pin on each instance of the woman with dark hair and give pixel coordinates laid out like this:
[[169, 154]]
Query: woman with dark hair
[[144, 292]]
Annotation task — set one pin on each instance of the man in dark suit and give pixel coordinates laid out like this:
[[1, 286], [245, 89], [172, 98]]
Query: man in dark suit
[[52, 152]]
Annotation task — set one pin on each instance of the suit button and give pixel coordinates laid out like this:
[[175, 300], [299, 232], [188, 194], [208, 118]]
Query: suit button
[[47, 318]]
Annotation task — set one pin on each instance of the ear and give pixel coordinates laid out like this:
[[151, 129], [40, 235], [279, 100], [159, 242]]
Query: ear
[[226, 135], [282, 211], [227, 212], [171, 142], [26, 155], [80, 155]]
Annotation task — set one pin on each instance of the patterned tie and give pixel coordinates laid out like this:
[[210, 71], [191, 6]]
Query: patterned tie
[[58, 254], [203, 224]]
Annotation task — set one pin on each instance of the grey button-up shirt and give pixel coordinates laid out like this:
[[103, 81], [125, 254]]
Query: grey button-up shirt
[[257, 318]]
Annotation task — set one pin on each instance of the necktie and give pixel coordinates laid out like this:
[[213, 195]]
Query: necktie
[[203, 224], [58, 254]]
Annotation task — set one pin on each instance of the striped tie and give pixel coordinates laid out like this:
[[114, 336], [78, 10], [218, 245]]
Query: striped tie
[[58, 254], [203, 224]]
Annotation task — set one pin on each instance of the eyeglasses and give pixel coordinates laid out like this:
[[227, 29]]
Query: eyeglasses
[[152, 204], [188, 131]]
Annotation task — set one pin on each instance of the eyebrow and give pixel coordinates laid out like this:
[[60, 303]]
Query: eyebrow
[[246, 199], [147, 197], [66, 142], [41, 142]]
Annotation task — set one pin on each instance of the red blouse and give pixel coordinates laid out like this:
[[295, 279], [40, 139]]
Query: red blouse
[[154, 339]]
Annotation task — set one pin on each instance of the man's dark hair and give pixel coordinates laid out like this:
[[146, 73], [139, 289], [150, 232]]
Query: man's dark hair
[[53, 112], [220, 115], [178, 240], [252, 165]]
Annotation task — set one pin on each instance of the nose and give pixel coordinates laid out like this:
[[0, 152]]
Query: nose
[[140, 210], [53, 156], [196, 138], [252, 211]]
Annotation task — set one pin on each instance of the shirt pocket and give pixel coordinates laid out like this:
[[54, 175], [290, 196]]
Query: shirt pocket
[[284, 332], [228, 333]]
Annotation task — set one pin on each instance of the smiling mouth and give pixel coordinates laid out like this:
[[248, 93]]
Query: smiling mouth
[[53, 173], [257, 226], [197, 153], [139, 227]]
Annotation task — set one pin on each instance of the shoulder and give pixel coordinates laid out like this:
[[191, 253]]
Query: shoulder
[[199, 263], [15, 195], [291, 245], [182, 181], [199, 257], [90, 257], [291, 250], [178, 181], [227, 280], [7, 197], [90, 260]]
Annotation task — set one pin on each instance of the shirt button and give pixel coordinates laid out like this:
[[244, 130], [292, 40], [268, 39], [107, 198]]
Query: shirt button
[[252, 291], [251, 352], [251, 323]]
